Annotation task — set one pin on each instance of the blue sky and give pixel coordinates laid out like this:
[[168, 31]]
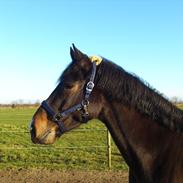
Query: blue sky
[[143, 36]]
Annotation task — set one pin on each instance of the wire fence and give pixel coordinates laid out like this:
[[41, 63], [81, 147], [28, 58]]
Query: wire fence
[[108, 145], [88, 147]]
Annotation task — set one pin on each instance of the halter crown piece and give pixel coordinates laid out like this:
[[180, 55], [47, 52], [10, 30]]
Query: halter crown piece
[[82, 106], [96, 59]]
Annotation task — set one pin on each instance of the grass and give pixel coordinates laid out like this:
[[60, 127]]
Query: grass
[[83, 149], [180, 106]]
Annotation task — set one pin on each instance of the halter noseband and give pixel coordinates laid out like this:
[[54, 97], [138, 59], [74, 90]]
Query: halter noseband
[[82, 106]]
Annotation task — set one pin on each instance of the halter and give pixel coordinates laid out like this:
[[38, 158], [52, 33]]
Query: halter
[[82, 106]]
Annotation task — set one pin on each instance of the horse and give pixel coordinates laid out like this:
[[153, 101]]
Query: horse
[[145, 126]]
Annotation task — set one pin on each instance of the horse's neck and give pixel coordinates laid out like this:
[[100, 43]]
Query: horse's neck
[[138, 138]]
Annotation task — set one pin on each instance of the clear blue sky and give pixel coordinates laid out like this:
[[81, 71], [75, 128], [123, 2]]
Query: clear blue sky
[[143, 36]]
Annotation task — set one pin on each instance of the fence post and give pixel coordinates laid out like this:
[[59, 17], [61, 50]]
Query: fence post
[[109, 148]]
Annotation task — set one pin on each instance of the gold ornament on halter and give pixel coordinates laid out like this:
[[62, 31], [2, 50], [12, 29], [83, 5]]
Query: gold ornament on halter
[[96, 59]]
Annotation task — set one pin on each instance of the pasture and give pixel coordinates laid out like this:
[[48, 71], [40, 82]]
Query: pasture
[[79, 156], [82, 149]]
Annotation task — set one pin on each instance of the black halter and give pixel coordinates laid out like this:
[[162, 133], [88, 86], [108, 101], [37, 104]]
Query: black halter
[[82, 106]]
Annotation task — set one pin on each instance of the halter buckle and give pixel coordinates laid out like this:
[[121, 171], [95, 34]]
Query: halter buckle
[[89, 87]]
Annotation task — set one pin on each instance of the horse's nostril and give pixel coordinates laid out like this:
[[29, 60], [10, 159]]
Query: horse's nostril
[[32, 130], [33, 135], [31, 126]]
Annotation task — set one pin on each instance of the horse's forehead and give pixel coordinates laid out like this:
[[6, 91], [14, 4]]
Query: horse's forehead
[[66, 73], [70, 69]]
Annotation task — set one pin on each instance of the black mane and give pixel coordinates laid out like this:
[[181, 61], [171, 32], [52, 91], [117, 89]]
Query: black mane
[[120, 85]]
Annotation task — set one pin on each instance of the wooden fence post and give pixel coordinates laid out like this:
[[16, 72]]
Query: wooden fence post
[[109, 148]]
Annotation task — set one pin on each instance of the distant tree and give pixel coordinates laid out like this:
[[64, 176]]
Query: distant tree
[[176, 100], [37, 103], [13, 106], [20, 101]]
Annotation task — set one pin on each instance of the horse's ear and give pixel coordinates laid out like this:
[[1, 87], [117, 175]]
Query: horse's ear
[[82, 59], [76, 54]]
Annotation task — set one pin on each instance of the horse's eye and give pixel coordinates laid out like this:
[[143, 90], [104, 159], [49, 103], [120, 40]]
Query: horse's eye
[[68, 85]]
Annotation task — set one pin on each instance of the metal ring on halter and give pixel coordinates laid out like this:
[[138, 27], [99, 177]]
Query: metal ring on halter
[[57, 117], [85, 102]]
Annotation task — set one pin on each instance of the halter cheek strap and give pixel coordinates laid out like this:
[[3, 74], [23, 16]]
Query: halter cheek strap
[[82, 106]]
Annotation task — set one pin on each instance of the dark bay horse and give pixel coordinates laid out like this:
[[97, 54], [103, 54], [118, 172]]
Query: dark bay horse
[[145, 126]]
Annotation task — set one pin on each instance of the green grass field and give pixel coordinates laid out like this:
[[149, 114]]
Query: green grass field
[[180, 106], [84, 148]]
